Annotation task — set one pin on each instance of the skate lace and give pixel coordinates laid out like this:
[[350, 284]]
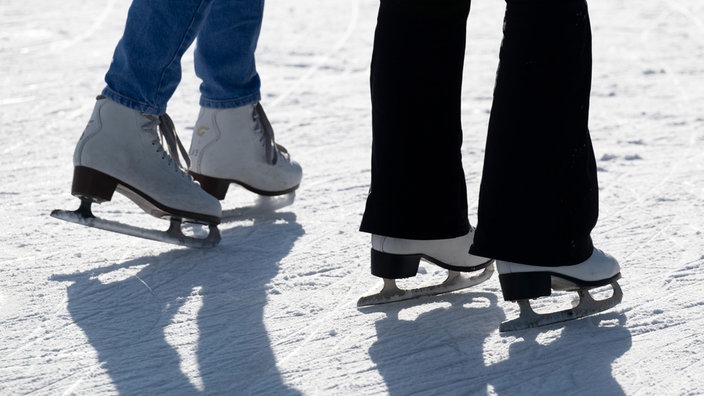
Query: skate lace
[[166, 135], [263, 126]]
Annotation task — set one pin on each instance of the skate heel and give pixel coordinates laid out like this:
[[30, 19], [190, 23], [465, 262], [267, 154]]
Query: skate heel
[[213, 186], [525, 285], [92, 184], [394, 266]]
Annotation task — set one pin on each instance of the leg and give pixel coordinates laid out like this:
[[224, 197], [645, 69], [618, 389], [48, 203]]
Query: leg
[[224, 55], [418, 186], [417, 206], [233, 141], [539, 196], [146, 66], [120, 148]]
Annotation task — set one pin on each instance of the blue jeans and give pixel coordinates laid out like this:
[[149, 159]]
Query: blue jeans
[[146, 65]]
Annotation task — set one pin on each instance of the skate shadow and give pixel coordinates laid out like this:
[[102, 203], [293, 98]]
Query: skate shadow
[[572, 358], [263, 205], [186, 321], [433, 351], [442, 350]]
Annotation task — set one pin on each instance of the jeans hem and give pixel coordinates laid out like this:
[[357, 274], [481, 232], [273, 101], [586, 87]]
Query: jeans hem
[[132, 104], [230, 103]]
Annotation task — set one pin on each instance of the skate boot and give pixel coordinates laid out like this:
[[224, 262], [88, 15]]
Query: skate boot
[[394, 258], [237, 146], [120, 150], [521, 282]]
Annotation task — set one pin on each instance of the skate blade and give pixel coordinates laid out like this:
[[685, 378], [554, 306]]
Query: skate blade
[[587, 306], [455, 281], [173, 235]]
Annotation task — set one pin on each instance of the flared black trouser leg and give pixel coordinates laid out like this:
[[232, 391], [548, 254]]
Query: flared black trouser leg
[[538, 200], [418, 188]]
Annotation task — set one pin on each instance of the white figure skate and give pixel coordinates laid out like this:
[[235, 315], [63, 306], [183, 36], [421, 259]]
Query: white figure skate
[[394, 258], [120, 150], [237, 145], [520, 283]]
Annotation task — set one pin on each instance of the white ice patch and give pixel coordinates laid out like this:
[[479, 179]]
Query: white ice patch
[[8, 306], [182, 334]]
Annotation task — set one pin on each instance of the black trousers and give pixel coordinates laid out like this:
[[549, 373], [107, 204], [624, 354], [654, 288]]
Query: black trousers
[[538, 200]]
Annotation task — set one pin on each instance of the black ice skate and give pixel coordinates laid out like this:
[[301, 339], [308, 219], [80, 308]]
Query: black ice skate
[[521, 283]]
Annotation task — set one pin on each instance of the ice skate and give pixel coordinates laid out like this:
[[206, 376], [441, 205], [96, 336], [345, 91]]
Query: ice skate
[[394, 258], [237, 146], [520, 283], [120, 150]]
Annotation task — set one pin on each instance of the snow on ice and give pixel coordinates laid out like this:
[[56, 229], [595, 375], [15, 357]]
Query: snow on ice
[[271, 310]]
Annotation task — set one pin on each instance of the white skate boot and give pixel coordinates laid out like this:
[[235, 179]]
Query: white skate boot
[[120, 150], [394, 258], [521, 282], [237, 146]]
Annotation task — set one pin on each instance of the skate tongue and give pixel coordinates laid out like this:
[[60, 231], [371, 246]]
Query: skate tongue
[[270, 145], [167, 130]]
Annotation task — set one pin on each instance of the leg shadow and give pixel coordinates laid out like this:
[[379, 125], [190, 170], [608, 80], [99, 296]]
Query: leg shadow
[[574, 358], [433, 351], [187, 321], [439, 348]]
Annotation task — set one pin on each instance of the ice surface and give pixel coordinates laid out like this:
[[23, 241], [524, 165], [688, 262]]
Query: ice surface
[[272, 309]]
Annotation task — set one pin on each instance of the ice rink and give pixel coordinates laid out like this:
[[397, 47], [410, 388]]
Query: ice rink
[[272, 309]]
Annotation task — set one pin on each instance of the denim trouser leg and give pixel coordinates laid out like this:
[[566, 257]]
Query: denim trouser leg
[[146, 66], [538, 200], [418, 188], [224, 55]]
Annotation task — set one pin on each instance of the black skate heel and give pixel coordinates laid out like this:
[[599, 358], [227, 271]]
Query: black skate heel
[[394, 266], [92, 184], [213, 186], [525, 285]]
